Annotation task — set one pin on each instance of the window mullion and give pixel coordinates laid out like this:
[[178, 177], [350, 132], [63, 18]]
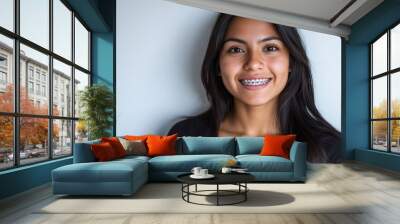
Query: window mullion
[[16, 84], [50, 81], [73, 82], [389, 106], [371, 145]]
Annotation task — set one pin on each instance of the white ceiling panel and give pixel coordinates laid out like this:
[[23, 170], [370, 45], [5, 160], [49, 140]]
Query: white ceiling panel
[[326, 16], [321, 9]]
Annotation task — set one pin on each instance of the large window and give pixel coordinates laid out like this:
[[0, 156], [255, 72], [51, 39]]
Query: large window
[[385, 91], [44, 64]]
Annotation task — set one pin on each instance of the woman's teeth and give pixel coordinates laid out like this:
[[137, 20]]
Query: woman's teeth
[[255, 82]]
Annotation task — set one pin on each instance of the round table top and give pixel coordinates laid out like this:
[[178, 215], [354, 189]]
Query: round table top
[[220, 178]]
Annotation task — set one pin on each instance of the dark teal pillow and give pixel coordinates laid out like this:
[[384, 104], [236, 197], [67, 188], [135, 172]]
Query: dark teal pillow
[[208, 145], [249, 145], [83, 152]]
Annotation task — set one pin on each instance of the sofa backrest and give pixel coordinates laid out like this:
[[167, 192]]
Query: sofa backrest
[[83, 152], [206, 145], [249, 145]]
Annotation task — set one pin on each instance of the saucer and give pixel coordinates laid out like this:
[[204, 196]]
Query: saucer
[[208, 176]]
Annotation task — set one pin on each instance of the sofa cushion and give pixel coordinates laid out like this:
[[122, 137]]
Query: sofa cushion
[[133, 158], [116, 145], [208, 145], [185, 163], [111, 171], [277, 145], [134, 147], [161, 145], [257, 163], [83, 152], [103, 151], [249, 145]]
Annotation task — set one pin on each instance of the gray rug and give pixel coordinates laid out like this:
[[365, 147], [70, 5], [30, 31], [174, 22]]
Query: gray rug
[[166, 198]]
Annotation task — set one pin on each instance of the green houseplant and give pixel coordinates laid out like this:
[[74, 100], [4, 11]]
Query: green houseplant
[[96, 102]]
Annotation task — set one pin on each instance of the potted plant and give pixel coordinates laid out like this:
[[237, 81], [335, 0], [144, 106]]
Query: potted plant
[[96, 102]]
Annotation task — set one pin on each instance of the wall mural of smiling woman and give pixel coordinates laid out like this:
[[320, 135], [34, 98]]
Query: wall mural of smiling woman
[[258, 81]]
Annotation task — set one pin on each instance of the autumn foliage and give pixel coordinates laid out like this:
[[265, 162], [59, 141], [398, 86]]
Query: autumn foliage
[[33, 131], [380, 127]]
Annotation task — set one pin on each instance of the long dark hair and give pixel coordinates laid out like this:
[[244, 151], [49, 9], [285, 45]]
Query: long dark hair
[[297, 112]]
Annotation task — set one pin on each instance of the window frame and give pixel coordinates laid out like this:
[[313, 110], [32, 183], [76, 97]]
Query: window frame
[[388, 74], [16, 115]]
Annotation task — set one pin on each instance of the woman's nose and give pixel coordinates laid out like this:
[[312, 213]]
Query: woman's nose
[[254, 61]]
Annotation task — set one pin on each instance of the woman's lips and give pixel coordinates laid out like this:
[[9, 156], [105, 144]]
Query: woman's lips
[[254, 84]]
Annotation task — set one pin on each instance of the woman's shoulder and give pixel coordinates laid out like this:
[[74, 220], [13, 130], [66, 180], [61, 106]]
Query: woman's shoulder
[[199, 125]]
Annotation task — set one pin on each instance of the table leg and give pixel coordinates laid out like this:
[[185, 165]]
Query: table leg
[[188, 189], [196, 188], [182, 189], [245, 193], [217, 194]]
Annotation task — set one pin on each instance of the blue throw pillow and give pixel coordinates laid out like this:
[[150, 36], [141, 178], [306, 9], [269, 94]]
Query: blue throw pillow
[[208, 145], [249, 145]]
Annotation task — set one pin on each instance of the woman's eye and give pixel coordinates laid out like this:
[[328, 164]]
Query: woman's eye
[[235, 50], [270, 48]]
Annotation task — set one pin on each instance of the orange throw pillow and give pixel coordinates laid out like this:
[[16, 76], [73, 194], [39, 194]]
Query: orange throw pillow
[[161, 145], [277, 145], [103, 151], [116, 145]]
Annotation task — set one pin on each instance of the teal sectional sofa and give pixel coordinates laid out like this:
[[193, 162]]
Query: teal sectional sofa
[[125, 176]]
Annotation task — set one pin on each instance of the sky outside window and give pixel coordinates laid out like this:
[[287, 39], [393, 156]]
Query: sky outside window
[[62, 30], [7, 13], [395, 47], [379, 56], [35, 21]]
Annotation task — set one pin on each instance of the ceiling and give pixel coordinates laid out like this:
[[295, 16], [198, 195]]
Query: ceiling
[[325, 16]]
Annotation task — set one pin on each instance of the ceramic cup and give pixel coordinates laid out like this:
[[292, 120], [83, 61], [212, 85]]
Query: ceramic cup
[[226, 170], [196, 170], [203, 172]]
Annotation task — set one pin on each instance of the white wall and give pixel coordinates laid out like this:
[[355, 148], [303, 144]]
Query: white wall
[[160, 48], [324, 53]]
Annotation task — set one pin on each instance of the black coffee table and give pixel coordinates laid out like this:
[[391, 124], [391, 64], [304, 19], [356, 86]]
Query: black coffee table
[[239, 179]]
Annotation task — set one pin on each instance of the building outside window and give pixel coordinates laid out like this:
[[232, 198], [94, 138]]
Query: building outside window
[[38, 89], [3, 78], [43, 90], [3, 72], [3, 61], [43, 77], [30, 72], [30, 87], [37, 74]]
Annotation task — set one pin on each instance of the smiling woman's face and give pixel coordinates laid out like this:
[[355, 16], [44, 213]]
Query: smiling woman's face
[[254, 62]]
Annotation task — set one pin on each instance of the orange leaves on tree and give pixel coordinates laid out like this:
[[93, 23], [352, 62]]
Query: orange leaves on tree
[[33, 130]]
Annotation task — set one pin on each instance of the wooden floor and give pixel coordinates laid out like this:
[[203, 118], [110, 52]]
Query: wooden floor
[[378, 188]]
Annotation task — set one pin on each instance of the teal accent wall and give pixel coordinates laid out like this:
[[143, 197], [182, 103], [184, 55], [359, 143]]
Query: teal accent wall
[[24, 178], [103, 51], [380, 159], [357, 125], [99, 16], [103, 61], [89, 11]]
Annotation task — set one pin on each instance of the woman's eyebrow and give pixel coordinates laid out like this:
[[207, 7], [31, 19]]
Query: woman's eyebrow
[[260, 41]]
